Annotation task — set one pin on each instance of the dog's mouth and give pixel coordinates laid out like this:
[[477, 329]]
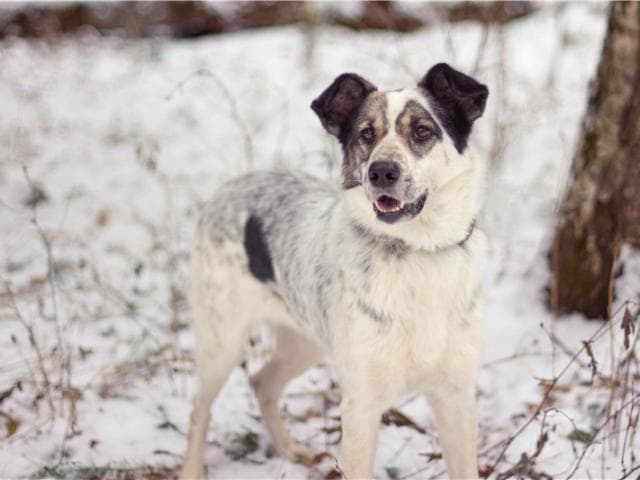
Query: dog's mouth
[[390, 210], [386, 204]]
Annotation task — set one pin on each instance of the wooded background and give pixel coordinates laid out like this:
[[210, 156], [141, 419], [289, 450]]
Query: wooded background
[[601, 209], [192, 19]]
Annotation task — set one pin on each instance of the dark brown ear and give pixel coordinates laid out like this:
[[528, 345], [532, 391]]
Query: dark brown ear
[[338, 103], [460, 100]]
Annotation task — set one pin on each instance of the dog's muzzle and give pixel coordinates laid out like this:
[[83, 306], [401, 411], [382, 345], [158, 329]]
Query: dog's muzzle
[[390, 209]]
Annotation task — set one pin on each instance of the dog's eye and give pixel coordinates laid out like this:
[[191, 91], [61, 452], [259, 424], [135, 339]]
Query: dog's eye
[[422, 132], [366, 135]]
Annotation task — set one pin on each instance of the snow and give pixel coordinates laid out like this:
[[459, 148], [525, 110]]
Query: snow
[[128, 138]]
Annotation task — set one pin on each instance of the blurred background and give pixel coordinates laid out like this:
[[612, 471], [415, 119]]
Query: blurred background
[[193, 19], [119, 119]]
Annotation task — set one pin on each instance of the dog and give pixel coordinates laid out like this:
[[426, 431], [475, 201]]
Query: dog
[[382, 274]]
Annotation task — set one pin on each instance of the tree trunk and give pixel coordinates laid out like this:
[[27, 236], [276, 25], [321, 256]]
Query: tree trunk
[[601, 208]]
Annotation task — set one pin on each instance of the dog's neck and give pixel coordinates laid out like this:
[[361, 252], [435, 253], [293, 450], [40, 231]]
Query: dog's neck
[[399, 246]]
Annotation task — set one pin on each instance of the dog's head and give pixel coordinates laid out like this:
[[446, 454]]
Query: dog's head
[[406, 167]]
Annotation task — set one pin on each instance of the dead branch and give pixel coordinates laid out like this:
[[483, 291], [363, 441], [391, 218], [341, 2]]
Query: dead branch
[[547, 393], [34, 344], [50, 270], [598, 430], [233, 107]]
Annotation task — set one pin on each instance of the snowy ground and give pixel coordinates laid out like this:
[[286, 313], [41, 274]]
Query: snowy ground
[[126, 139]]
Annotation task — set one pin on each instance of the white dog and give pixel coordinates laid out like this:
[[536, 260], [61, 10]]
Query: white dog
[[383, 274]]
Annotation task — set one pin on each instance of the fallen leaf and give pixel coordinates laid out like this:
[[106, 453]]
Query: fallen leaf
[[102, 218], [581, 436], [399, 419]]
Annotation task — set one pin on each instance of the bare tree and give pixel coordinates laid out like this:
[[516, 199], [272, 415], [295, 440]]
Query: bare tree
[[601, 208]]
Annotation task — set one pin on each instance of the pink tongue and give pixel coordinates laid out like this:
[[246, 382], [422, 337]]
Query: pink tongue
[[387, 203]]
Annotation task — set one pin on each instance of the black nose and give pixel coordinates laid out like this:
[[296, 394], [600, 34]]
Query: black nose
[[384, 173]]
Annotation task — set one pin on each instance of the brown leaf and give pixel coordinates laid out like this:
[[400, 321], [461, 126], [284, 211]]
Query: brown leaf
[[316, 459], [11, 424], [399, 419], [609, 383], [547, 384], [309, 415], [37, 280], [72, 394], [431, 456], [581, 436], [102, 218], [485, 470], [333, 474]]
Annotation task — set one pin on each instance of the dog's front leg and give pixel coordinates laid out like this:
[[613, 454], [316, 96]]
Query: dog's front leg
[[360, 424], [456, 419]]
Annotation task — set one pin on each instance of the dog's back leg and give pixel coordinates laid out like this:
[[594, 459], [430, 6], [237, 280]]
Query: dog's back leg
[[215, 357], [222, 314], [292, 355]]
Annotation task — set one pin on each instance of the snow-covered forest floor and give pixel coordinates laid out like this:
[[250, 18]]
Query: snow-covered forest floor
[[107, 149]]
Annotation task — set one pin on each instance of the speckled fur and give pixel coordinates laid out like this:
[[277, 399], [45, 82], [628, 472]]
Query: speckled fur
[[396, 306]]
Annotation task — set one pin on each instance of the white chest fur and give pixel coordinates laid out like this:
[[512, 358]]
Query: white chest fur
[[416, 310]]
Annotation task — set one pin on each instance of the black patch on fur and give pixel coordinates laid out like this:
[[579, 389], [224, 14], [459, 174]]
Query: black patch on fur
[[337, 105], [371, 114], [460, 100], [257, 250], [413, 116]]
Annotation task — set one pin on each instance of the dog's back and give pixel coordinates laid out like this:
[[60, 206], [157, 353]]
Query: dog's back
[[273, 226]]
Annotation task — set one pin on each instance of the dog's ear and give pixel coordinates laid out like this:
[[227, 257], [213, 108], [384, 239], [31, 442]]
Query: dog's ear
[[460, 100], [340, 101]]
